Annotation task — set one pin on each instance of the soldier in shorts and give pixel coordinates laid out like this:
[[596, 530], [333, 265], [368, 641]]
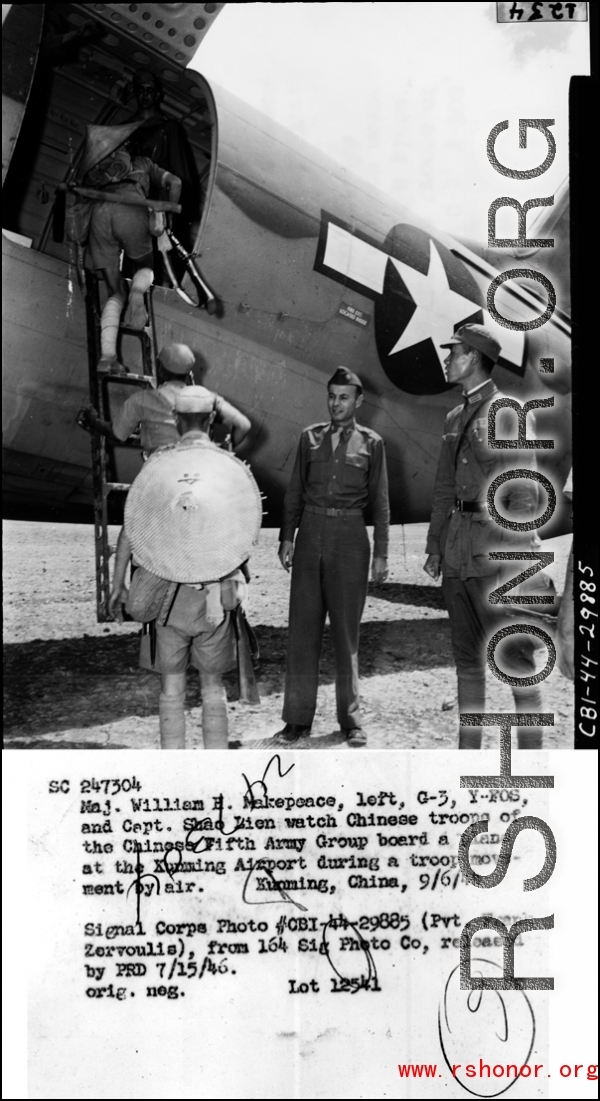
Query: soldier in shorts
[[110, 166], [194, 622]]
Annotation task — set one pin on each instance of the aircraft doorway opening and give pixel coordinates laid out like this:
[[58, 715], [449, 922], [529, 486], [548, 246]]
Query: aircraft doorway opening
[[88, 73]]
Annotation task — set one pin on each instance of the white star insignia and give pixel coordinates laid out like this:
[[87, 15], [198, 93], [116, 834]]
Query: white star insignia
[[439, 309]]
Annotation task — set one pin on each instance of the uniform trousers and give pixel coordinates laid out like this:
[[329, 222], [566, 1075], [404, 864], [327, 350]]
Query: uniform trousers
[[330, 574], [473, 621], [114, 227]]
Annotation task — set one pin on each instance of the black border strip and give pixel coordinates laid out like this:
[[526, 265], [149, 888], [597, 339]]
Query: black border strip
[[583, 132]]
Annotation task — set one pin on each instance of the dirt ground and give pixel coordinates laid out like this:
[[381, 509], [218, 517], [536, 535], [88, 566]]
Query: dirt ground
[[71, 683]]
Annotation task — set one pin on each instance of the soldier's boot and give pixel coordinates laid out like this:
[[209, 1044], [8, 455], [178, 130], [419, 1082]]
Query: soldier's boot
[[471, 698], [214, 711], [135, 314], [172, 721]]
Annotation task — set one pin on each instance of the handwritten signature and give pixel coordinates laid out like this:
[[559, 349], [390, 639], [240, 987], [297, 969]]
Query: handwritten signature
[[482, 1022], [172, 859]]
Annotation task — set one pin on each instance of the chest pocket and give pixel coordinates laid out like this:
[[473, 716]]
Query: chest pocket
[[478, 441], [356, 469], [317, 467], [451, 439]]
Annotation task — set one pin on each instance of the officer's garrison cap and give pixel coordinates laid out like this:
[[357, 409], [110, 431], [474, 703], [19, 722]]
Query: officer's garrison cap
[[344, 377]]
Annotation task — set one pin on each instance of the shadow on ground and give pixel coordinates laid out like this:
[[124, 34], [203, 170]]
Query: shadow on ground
[[22, 742], [418, 596], [58, 685], [335, 740]]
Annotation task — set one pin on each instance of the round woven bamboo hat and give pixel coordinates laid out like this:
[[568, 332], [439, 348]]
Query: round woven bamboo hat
[[193, 513], [102, 140]]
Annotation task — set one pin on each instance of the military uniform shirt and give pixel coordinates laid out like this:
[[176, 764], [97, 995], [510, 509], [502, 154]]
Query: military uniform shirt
[[153, 409], [351, 477], [468, 537]]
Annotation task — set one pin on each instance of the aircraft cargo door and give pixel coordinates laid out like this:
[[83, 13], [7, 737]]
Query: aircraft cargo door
[[89, 73], [21, 34]]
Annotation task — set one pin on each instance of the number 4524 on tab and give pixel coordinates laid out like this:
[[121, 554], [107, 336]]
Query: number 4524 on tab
[[545, 13]]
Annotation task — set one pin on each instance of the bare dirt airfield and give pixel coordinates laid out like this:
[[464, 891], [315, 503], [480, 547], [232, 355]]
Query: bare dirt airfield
[[71, 683]]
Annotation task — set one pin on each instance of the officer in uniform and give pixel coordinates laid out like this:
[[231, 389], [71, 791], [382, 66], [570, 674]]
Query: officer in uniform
[[462, 533], [340, 468]]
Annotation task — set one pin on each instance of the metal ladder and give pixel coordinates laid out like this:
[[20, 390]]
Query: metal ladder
[[103, 462]]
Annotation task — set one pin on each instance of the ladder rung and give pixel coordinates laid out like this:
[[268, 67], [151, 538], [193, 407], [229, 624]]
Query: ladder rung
[[135, 332], [119, 487], [147, 380]]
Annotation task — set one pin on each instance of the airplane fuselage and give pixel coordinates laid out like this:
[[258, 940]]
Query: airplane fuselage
[[313, 268]]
